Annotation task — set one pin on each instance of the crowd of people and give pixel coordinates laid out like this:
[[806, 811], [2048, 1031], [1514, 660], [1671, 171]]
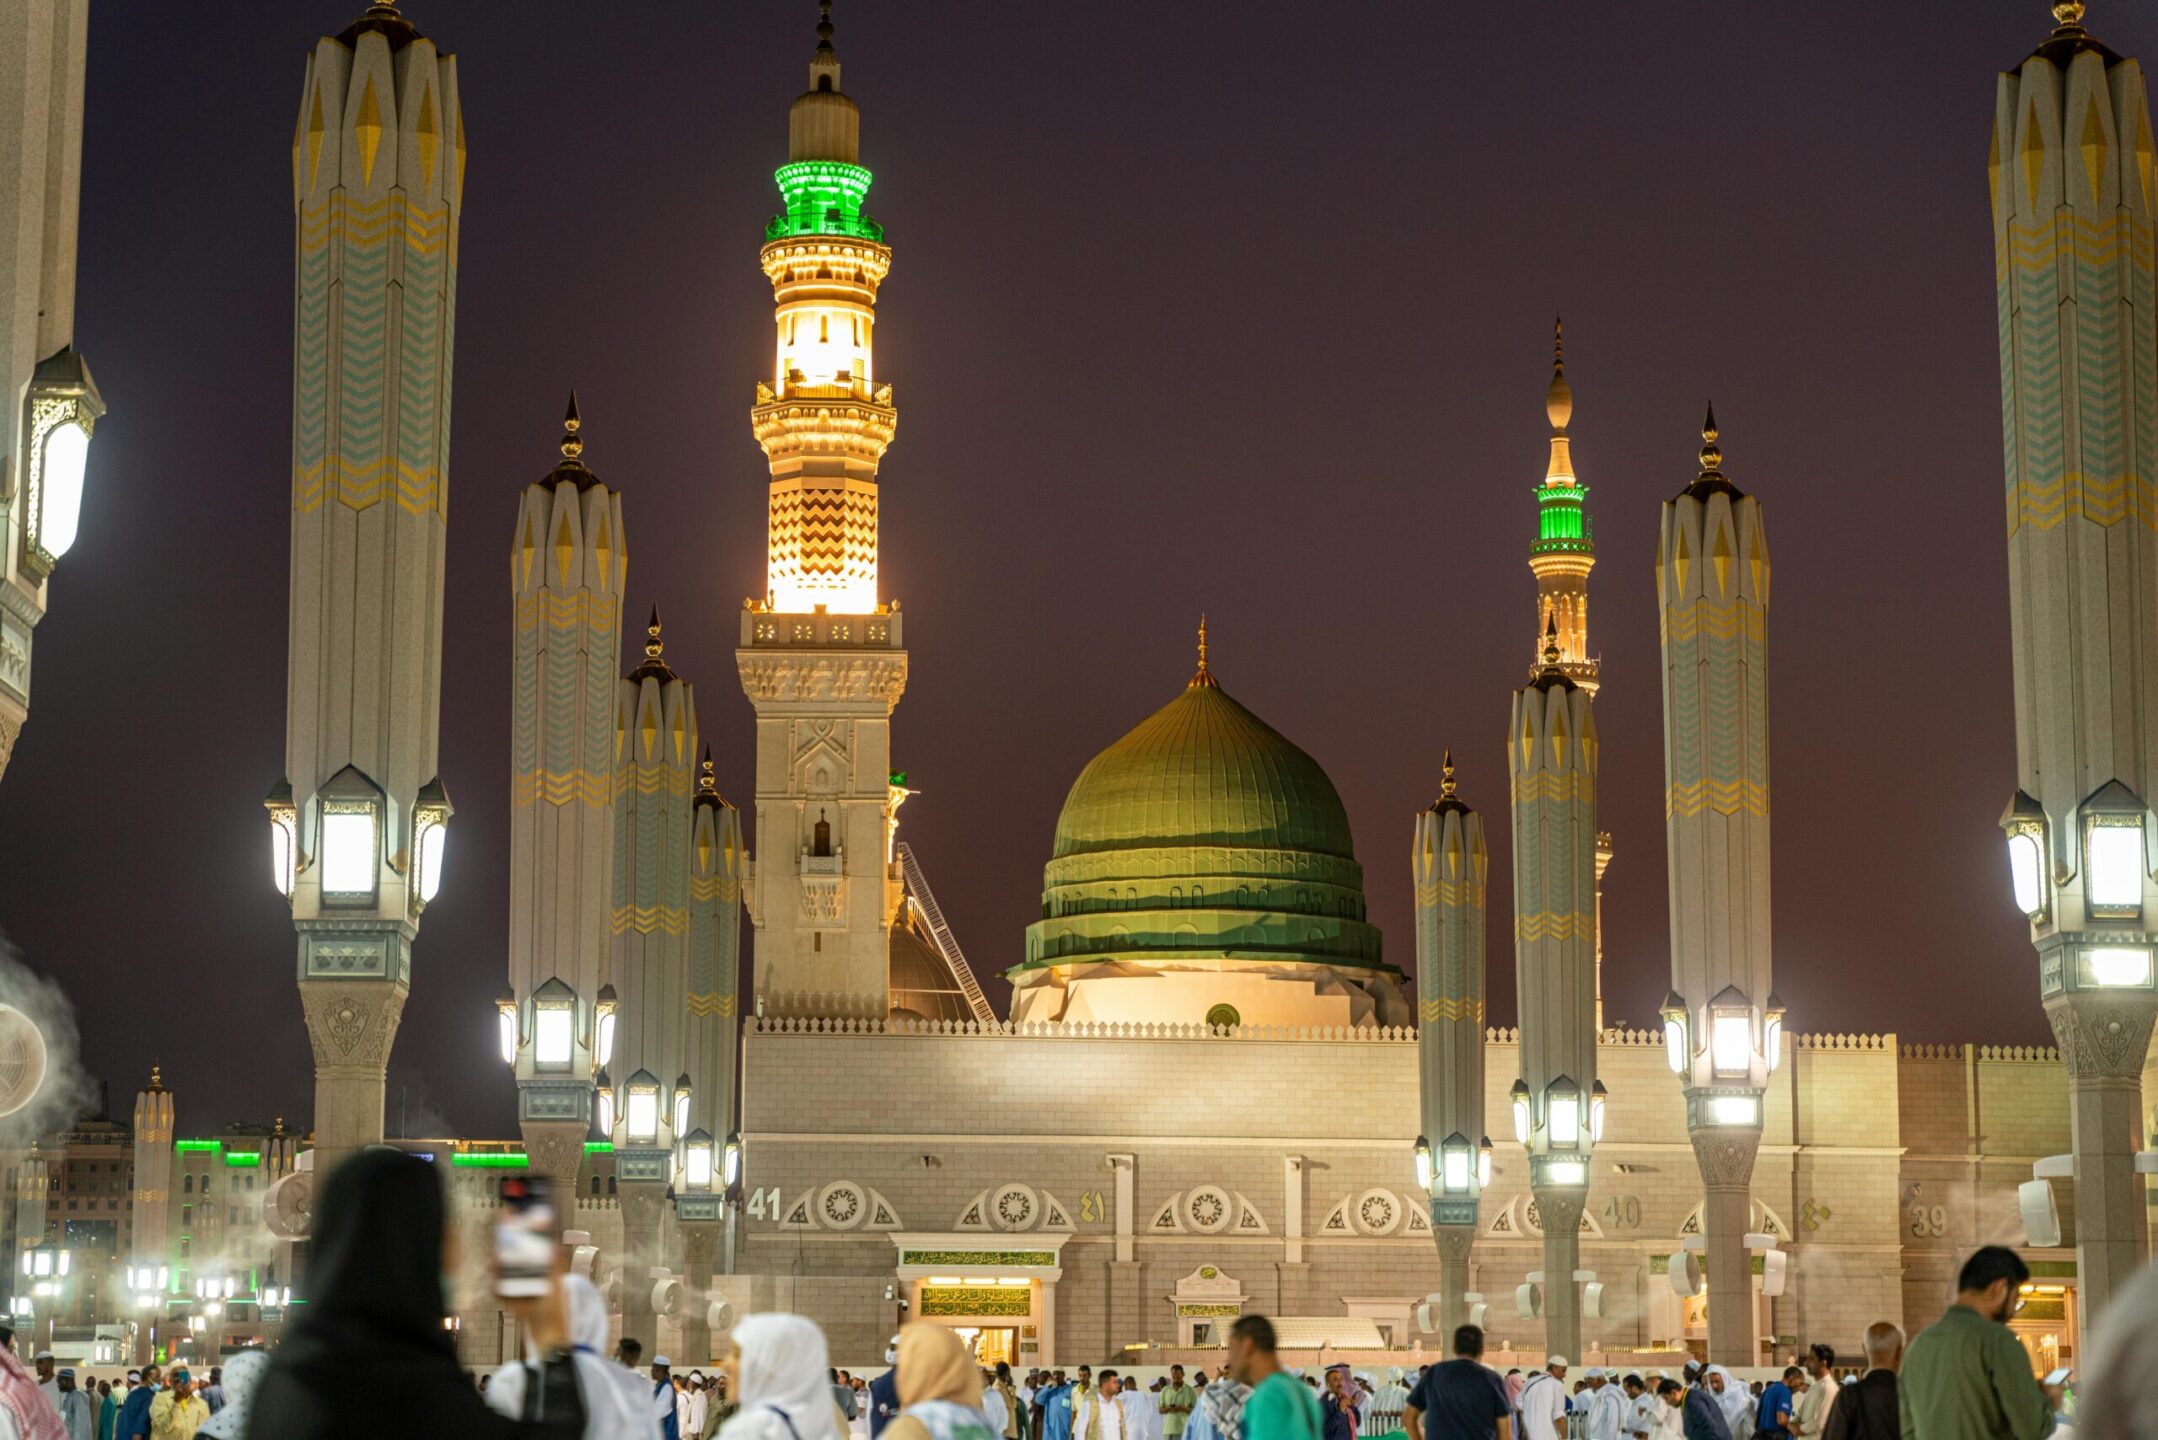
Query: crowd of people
[[372, 1359]]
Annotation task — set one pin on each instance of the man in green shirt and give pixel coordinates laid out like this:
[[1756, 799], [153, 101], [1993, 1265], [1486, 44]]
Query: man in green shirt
[[1177, 1400], [1965, 1377], [1281, 1407]]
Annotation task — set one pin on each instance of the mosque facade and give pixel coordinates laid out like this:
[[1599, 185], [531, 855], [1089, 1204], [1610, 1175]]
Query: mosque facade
[[1240, 1070]]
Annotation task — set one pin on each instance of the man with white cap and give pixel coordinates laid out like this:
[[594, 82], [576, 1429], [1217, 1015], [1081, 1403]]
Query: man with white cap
[[48, 1383], [1543, 1402], [1606, 1415], [663, 1398]]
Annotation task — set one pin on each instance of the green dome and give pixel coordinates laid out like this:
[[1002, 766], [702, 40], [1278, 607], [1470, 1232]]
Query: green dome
[[1203, 836], [1203, 770]]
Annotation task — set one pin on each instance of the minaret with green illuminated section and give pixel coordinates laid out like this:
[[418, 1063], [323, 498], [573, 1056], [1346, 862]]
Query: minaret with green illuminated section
[[1561, 558], [821, 655]]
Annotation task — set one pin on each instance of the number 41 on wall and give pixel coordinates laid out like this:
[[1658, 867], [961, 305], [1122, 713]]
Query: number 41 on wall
[[763, 1208]]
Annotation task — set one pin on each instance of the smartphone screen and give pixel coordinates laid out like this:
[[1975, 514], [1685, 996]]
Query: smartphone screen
[[527, 1234], [2059, 1375]]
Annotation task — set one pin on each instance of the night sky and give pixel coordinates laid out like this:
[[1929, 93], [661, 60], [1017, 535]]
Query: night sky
[[1233, 307]]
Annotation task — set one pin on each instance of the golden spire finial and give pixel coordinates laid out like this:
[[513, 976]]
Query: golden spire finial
[[1205, 677], [824, 27], [653, 645], [2068, 14], [706, 785], [157, 1080], [1711, 452], [572, 442], [1559, 399], [1446, 776], [1551, 640]]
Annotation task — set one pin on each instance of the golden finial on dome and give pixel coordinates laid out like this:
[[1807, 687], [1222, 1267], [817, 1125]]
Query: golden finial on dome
[[2068, 14], [1711, 452], [1205, 677], [1446, 776], [1551, 641], [706, 784], [653, 645], [572, 442]]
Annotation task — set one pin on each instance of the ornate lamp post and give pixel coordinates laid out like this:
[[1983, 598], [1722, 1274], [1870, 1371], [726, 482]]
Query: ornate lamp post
[[2069, 166]]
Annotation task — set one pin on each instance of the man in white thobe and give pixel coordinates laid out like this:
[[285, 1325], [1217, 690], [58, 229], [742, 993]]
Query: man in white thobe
[[1543, 1402], [1603, 1408]]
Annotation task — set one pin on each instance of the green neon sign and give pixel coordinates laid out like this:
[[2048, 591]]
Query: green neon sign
[[189, 1146], [239, 1158], [599, 1147], [510, 1160]]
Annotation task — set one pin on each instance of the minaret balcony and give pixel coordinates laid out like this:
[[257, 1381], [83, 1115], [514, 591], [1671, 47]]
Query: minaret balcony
[[840, 419], [764, 629]]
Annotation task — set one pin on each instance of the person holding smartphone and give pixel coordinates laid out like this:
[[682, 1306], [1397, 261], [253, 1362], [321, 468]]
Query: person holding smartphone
[[369, 1356]]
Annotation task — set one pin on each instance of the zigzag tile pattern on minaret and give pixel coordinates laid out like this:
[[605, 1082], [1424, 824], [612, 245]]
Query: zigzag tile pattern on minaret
[[378, 162]]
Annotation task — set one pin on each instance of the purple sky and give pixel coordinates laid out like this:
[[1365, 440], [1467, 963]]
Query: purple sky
[[1224, 306]]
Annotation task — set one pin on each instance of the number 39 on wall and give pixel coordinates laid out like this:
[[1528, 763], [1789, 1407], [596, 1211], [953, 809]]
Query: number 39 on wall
[[764, 1204], [1929, 1222]]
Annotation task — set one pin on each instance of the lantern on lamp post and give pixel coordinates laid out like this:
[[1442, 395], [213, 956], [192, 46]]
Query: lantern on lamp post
[[60, 412]]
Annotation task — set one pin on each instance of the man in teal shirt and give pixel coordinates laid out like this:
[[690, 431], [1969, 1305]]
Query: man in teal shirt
[[1965, 1377], [1281, 1407]]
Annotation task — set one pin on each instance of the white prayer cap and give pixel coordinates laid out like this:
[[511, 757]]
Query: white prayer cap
[[661, 1362], [1555, 1362], [1594, 1372]]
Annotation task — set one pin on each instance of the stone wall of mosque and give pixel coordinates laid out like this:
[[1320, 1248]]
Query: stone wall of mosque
[[1133, 1162]]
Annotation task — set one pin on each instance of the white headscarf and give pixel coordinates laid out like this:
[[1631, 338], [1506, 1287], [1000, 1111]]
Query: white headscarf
[[785, 1390], [617, 1405], [1736, 1402], [242, 1372]]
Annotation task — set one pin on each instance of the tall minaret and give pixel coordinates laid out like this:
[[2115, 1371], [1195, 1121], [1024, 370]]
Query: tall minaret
[[2074, 198], [1561, 558], [821, 656], [359, 820], [715, 947], [1723, 1022], [1558, 1101], [655, 752], [153, 1169], [568, 560], [1450, 863]]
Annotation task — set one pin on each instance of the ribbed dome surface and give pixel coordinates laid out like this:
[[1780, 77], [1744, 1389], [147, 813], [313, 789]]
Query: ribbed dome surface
[[1203, 771]]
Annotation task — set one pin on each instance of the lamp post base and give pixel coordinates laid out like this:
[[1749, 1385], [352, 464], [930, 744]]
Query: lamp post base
[[2103, 1039]]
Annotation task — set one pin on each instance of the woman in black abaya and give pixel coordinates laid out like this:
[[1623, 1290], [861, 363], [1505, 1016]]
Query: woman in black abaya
[[368, 1357]]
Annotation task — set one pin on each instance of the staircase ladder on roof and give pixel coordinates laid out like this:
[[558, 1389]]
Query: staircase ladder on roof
[[947, 943]]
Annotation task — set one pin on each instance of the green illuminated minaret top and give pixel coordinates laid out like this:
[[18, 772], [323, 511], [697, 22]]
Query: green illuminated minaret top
[[821, 184], [1565, 548], [1562, 522]]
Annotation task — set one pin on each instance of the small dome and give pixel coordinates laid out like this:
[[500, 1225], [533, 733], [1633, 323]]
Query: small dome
[[1203, 771]]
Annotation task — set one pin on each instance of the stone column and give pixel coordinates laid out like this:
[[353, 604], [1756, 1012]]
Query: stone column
[[1455, 1242], [1561, 1212], [350, 1025], [1726, 1160], [2103, 1041], [699, 1239], [642, 1201]]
